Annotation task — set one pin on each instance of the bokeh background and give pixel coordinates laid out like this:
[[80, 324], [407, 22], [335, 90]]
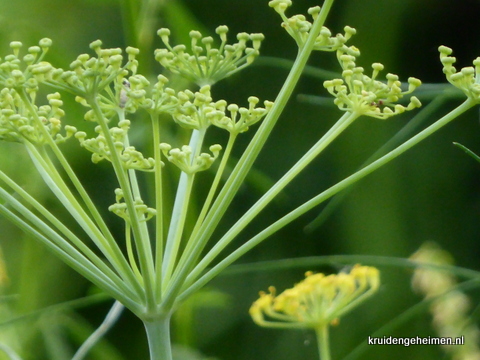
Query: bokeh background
[[431, 193]]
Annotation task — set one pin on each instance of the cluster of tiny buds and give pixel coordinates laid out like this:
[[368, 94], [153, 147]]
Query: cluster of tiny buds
[[198, 111], [185, 160], [241, 118], [91, 74], [144, 212], [318, 300], [28, 71], [18, 124], [130, 157], [364, 95], [299, 27], [467, 79], [206, 65]]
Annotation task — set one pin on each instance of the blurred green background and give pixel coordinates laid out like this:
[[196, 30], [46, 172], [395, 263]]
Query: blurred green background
[[430, 193]]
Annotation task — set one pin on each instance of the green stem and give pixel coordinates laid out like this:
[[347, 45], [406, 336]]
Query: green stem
[[69, 254], [110, 320], [332, 134], [323, 342], [158, 334], [245, 163], [76, 183], [140, 231], [264, 234], [406, 132], [74, 240], [159, 247], [179, 212], [216, 181], [206, 206], [56, 184]]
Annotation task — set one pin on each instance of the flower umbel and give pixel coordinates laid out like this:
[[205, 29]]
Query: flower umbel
[[364, 95], [467, 79], [298, 27], [317, 301], [207, 65]]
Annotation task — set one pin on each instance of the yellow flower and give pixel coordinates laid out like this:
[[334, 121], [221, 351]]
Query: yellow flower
[[317, 301]]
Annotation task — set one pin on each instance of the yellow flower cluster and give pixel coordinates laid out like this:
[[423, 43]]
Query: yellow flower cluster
[[317, 301]]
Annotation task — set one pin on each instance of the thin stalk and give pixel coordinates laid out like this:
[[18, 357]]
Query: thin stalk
[[86, 251], [159, 247], [110, 320], [12, 355], [245, 163], [71, 257], [208, 201], [158, 334], [323, 342], [424, 114], [216, 181], [69, 171], [56, 184], [315, 150], [179, 212], [131, 254], [171, 252], [140, 233], [315, 201]]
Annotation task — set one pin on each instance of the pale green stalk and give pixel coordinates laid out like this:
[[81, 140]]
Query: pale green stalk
[[132, 175], [12, 355], [110, 320], [405, 133], [62, 192], [159, 248], [246, 161], [179, 212], [206, 205], [69, 255], [84, 249], [250, 244], [131, 254], [215, 183], [112, 244], [332, 134], [323, 342], [140, 232], [179, 216], [158, 334]]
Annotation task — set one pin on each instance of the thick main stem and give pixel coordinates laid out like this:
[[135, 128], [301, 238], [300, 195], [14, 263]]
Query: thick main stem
[[158, 334]]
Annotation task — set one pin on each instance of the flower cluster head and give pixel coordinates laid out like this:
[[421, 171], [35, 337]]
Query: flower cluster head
[[195, 110], [241, 118], [120, 208], [19, 123], [467, 79], [129, 156], [206, 64], [162, 100], [299, 27], [90, 74], [317, 301], [450, 307], [188, 162], [27, 71], [364, 95]]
